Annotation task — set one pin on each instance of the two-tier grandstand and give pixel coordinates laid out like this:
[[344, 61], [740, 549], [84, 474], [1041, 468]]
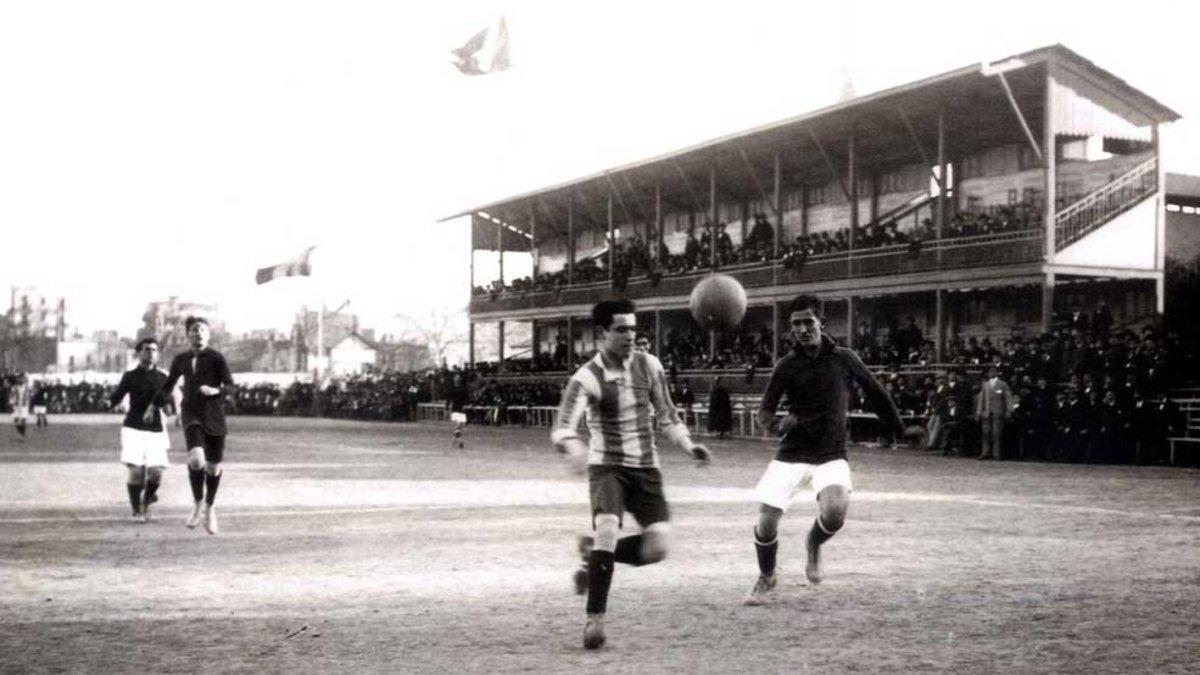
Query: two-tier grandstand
[[984, 201]]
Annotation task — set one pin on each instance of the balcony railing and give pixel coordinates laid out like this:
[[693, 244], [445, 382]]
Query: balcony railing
[[1105, 203], [939, 254]]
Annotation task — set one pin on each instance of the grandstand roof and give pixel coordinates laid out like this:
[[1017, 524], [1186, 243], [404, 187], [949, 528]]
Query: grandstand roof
[[976, 111]]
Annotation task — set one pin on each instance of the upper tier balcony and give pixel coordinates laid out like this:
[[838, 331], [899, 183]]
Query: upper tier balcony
[[988, 250]]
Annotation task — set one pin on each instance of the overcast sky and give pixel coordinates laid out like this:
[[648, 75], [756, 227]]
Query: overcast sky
[[150, 149]]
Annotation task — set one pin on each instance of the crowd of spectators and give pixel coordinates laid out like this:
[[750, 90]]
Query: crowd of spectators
[[635, 258], [81, 397]]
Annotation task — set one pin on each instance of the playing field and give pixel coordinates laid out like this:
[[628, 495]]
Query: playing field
[[359, 547]]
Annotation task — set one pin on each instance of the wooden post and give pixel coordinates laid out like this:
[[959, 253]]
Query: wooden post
[[658, 220], [658, 331], [850, 327], [533, 242], [1050, 157], [778, 195], [471, 344], [712, 213], [852, 176], [500, 249], [939, 333], [776, 333], [1048, 302], [500, 339], [570, 240], [612, 242]]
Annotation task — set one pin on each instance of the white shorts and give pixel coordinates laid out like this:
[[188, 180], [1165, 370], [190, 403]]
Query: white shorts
[[144, 448], [781, 480], [458, 417], [18, 415], [39, 410]]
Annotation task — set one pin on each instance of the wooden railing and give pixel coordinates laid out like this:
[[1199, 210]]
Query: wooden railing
[[1105, 203], [947, 253]]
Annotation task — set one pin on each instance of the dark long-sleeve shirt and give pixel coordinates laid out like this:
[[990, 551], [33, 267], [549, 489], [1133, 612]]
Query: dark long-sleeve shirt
[[206, 367], [142, 385], [818, 390]]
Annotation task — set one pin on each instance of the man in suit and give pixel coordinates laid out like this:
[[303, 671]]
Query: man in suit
[[994, 407]]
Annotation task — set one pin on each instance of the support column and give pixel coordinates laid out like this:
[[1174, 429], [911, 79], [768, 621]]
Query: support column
[[804, 209], [658, 223], [471, 344], [1050, 157], [778, 197], [712, 216], [874, 197], [1047, 302], [939, 206], [500, 250], [852, 175], [850, 322], [535, 347], [775, 332], [500, 339], [658, 332], [1160, 230], [533, 242], [570, 344], [570, 240], [612, 242], [939, 330]]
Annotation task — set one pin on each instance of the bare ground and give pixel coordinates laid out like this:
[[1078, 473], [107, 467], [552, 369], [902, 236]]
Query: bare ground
[[372, 547]]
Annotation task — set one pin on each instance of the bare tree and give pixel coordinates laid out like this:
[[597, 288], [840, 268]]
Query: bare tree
[[443, 331]]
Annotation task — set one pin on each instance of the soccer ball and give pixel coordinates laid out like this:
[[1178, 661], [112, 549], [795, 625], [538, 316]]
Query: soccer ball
[[718, 302]]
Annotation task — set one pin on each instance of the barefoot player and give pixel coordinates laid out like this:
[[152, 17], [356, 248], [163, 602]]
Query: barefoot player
[[206, 381]]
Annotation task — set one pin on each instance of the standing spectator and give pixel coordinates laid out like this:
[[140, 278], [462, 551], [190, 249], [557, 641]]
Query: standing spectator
[[994, 408], [720, 410]]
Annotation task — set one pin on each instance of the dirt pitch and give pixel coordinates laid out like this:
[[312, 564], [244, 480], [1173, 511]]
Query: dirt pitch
[[353, 547]]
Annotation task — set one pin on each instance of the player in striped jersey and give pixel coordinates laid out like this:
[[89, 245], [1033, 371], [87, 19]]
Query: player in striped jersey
[[620, 392]]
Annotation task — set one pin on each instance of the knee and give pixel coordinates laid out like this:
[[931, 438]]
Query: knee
[[212, 469], [654, 545], [607, 527], [196, 459], [768, 522], [832, 520], [154, 474]]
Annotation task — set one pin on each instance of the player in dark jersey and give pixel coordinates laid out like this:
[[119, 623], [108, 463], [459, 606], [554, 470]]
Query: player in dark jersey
[[457, 397], [143, 444], [816, 376], [206, 381], [37, 402]]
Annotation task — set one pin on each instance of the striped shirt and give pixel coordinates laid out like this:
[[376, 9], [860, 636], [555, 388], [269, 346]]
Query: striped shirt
[[621, 402]]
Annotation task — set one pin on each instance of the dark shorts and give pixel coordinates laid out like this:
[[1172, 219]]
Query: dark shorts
[[197, 437], [617, 489]]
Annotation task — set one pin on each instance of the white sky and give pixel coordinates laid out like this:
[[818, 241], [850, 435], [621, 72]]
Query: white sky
[[158, 148]]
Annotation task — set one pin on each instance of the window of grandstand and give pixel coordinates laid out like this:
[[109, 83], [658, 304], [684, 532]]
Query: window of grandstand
[[1173, 207], [1012, 196]]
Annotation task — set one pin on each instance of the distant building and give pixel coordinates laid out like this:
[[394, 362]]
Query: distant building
[[164, 320], [352, 355]]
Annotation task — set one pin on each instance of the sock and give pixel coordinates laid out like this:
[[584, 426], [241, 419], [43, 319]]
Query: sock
[[211, 482], [196, 478], [135, 496], [766, 550], [21, 428], [151, 491], [600, 572], [818, 534], [629, 550]]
